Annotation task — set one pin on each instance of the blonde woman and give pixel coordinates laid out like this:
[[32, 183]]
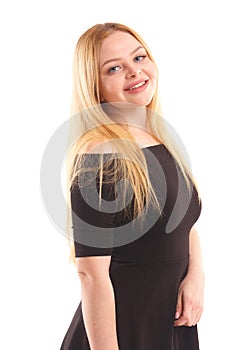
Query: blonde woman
[[133, 204]]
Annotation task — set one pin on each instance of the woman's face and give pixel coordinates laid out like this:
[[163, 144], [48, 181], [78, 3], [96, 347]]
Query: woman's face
[[126, 72]]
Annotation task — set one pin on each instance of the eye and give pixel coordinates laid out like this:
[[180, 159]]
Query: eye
[[113, 69], [139, 58]]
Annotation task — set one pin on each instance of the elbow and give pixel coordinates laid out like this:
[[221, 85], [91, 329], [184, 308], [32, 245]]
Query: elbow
[[86, 276], [83, 275], [93, 268]]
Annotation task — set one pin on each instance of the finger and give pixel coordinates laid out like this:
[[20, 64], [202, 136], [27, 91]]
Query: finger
[[192, 321], [181, 321], [184, 322], [197, 316], [178, 306], [186, 316], [197, 312]]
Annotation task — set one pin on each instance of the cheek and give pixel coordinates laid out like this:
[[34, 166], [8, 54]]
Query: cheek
[[102, 87], [108, 85], [152, 70]]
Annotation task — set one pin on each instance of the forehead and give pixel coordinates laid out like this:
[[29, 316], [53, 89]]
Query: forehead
[[117, 45]]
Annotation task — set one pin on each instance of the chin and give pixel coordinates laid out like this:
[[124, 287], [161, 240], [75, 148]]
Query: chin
[[144, 102]]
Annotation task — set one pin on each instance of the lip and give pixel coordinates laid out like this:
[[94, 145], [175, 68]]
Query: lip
[[140, 88]]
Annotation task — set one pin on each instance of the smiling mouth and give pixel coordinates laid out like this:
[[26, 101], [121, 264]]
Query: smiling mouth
[[138, 85]]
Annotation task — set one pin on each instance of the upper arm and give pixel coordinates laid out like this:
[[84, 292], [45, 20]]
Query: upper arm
[[93, 227], [193, 229]]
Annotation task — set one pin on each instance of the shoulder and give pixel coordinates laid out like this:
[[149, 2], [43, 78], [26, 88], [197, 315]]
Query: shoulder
[[97, 147]]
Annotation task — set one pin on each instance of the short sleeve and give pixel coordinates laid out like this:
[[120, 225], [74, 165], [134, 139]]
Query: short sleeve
[[92, 225]]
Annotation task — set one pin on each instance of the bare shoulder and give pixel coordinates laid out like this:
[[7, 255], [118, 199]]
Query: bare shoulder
[[101, 146]]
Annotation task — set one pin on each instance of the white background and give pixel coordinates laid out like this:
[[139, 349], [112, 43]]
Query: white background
[[192, 44]]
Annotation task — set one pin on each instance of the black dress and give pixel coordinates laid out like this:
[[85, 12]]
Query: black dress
[[147, 271]]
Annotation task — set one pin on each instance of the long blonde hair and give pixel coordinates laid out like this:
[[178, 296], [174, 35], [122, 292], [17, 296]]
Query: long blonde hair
[[90, 125]]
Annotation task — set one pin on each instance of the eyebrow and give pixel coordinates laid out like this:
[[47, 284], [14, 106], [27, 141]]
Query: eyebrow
[[118, 58]]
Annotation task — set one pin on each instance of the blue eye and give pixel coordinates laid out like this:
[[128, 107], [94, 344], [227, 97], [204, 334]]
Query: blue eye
[[139, 58], [113, 69]]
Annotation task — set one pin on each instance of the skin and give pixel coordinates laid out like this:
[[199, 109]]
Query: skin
[[129, 64], [124, 63], [190, 299], [123, 66]]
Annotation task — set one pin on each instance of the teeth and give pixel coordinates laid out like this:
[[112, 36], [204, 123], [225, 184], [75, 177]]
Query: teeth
[[138, 85]]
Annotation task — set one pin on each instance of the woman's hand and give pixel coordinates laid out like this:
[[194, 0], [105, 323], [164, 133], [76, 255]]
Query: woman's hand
[[190, 300]]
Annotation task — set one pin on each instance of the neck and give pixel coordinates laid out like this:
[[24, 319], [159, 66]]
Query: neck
[[132, 115]]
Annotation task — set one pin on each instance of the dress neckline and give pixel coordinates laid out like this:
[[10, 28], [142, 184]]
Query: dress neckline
[[150, 146]]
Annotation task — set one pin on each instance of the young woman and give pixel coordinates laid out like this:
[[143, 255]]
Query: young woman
[[134, 204]]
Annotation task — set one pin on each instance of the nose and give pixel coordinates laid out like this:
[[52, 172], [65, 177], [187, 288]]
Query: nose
[[132, 73]]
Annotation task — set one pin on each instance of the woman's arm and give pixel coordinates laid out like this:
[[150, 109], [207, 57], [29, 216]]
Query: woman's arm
[[98, 307], [190, 299], [195, 260]]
